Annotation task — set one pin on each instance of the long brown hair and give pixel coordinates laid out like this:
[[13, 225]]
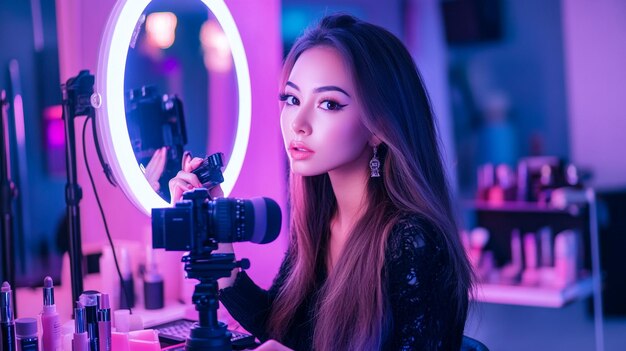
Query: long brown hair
[[352, 311]]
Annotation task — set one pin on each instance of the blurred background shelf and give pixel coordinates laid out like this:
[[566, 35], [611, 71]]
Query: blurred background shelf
[[523, 207], [501, 219], [535, 296]]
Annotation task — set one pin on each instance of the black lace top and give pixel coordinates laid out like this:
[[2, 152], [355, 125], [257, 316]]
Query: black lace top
[[423, 314]]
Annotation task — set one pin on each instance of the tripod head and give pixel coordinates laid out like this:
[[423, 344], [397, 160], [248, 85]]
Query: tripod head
[[209, 333]]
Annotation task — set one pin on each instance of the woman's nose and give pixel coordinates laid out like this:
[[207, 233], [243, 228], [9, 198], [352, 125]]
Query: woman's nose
[[300, 123]]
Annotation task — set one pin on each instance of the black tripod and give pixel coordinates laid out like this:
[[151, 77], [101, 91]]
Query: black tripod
[[209, 333]]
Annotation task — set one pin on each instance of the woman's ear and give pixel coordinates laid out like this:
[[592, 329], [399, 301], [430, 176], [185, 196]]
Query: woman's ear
[[374, 140]]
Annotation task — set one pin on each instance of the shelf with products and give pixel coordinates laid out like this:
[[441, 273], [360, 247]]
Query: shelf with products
[[572, 210], [502, 220], [504, 232], [535, 296]]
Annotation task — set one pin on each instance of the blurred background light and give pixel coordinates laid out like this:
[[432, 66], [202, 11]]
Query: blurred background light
[[161, 29], [215, 47]]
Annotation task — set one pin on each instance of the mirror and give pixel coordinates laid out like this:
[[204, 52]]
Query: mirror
[[173, 77], [179, 86]]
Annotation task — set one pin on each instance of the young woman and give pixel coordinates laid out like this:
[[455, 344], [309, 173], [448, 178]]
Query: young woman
[[374, 260]]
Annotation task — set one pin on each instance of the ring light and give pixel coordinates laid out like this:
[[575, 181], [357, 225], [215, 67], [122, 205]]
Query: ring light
[[112, 116]]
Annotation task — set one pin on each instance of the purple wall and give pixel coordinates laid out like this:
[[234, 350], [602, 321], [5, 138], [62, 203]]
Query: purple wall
[[595, 59]]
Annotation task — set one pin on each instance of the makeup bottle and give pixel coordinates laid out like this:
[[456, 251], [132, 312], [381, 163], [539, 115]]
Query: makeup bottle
[[50, 324], [485, 180], [80, 342], [565, 260], [26, 334], [89, 300], [512, 271], [7, 324], [152, 284], [545, 245], [546, 262], [547, 183], [530, 276], [104, 322], [127, 285]]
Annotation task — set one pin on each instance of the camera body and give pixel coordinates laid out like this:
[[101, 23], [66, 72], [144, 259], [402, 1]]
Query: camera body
[[155, 121], [210, 171], [198, 223]]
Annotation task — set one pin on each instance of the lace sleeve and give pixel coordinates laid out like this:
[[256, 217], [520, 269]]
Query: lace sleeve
[[414, 264], [249, 304]]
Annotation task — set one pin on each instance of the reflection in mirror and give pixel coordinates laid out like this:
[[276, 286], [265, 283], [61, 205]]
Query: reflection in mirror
[[179, 57]]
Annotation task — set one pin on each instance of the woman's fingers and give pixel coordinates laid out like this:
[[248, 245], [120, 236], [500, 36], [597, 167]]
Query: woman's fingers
[[155, 167], [178, 187], [189, 163], [189, 178], [186, 180], [155, 185], [182, 182], [186, 159]]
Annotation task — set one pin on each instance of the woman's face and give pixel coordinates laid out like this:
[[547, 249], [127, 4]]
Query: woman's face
[[321, 118]]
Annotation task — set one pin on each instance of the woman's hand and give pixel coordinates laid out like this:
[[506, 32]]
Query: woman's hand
[[272, 345], [185, 180], [155, 167]]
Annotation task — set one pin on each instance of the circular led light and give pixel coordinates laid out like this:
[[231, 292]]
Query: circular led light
[[111, 119]]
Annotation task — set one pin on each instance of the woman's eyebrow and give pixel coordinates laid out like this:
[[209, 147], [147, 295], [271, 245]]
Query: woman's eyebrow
[[293, 85], [331, 88], [321, 89]]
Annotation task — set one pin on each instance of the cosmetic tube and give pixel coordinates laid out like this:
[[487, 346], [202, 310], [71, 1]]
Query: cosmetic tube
[[50, 323], [545, 246], [565, 263], [26, 334], [153, 291], [7, 324], [530, 276], [127, 285], [81, 337], [104, 322], [89, 299]]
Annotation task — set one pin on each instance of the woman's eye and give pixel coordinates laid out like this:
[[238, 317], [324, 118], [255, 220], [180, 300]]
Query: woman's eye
[[331, 105], [289, 99], [292, 100]]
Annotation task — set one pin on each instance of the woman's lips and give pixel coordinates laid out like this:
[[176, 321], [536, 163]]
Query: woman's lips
[[299, 151]]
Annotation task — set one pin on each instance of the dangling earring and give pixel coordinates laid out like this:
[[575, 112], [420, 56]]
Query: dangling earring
[[375, 164]]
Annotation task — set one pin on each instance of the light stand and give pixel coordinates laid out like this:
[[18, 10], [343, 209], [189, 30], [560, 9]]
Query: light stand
[[77, 92], [8, 193]]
